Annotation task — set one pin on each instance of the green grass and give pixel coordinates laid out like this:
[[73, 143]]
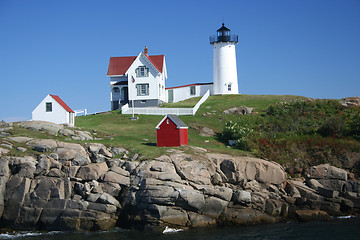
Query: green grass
[[116, 129]]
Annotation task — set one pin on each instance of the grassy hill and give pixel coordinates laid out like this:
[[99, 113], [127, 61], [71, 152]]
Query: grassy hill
[[140, 136], [294, 131]]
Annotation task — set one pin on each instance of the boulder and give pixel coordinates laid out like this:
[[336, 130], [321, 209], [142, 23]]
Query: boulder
[[114, 177], [213, 207], [193, 171], [312, 215], [242, 197], [49, 127], [198, 220], [99, 152], [20, 139], [92, 171], [4, 151], [190, 200], [43, 145], [325, 171]]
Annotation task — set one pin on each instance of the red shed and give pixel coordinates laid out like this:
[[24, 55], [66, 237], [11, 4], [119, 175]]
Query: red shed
[[171, 132]]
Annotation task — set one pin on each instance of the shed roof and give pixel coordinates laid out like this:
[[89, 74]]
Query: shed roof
[[62, 103], [175, 119]]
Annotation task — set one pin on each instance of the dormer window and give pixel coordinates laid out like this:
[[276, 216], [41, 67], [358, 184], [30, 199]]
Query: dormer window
[[142, 71]]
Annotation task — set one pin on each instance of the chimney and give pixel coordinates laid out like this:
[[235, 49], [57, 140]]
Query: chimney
[[146, 51]]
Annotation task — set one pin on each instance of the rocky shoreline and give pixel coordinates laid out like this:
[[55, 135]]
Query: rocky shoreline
[[71, 186]]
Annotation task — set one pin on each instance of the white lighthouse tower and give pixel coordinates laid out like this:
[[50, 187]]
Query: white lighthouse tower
[[224, 62]]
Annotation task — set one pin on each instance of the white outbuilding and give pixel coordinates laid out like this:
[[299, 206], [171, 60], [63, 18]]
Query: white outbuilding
[[54, 109]]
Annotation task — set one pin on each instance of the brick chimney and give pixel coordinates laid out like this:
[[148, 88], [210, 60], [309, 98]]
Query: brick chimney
[[146, 51]]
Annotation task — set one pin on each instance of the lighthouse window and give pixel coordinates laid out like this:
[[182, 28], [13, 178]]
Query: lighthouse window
[[192, 90], [229, 87], [142, 71], [142, 89]]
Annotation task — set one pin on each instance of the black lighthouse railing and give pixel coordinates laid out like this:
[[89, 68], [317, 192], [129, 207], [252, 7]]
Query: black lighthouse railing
[[230, 38]]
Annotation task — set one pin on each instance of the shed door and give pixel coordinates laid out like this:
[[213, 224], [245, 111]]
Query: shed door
[[171, 96]]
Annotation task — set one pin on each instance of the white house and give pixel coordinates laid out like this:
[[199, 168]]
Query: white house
[[137, 79], [180, 93], [54, 109]]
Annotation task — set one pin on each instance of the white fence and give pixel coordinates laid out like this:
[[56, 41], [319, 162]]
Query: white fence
[[81, 112], [164, 111]]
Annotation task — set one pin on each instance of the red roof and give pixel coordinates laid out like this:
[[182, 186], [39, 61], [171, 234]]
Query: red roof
[[61, 102], [119, 65]]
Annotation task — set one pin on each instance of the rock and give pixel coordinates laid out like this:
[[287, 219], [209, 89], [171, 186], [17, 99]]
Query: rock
[[206, 132], [194, 171], [329, 207], [4, 151], [314, 184], [333, 184], [213, 207], [275, 207], [21, 149], [350, 101], [43, 166], [72, 152], [190, 200], [312, 215], [198, 220], [325, 171], [23, 166], [119, 151], [111, 188], [245, 216], [6, 145], [240, 169], [83, 136], [114, 177], [238, 110], [329, 193], [108, 199], [43, 145], [92, 171], [133, 157], [107, 208], [20, 139], [98, 152], [49, 127], [242, 197], [66, 132]]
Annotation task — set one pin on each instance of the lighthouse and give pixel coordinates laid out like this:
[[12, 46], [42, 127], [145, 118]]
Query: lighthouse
[[224, 62]]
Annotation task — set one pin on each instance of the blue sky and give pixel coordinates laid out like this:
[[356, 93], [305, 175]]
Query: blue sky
[[297, 47]]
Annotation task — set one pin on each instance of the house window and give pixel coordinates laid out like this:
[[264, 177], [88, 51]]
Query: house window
[[229, 87], [116, 89], [142, 89], [48, 107], [142, 71], [192, 90]]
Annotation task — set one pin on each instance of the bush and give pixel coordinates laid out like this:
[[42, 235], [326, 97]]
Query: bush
[[332, 127], [233, 131]]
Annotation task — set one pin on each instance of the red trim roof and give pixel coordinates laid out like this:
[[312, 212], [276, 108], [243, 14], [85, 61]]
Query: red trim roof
[[194, 84], [119, 65], [61, 102]]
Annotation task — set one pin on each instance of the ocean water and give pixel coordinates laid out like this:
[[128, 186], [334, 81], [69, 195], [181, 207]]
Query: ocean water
[[339, 228]]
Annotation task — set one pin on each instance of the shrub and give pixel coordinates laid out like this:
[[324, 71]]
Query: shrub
[[233, 131], [333, 126]]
